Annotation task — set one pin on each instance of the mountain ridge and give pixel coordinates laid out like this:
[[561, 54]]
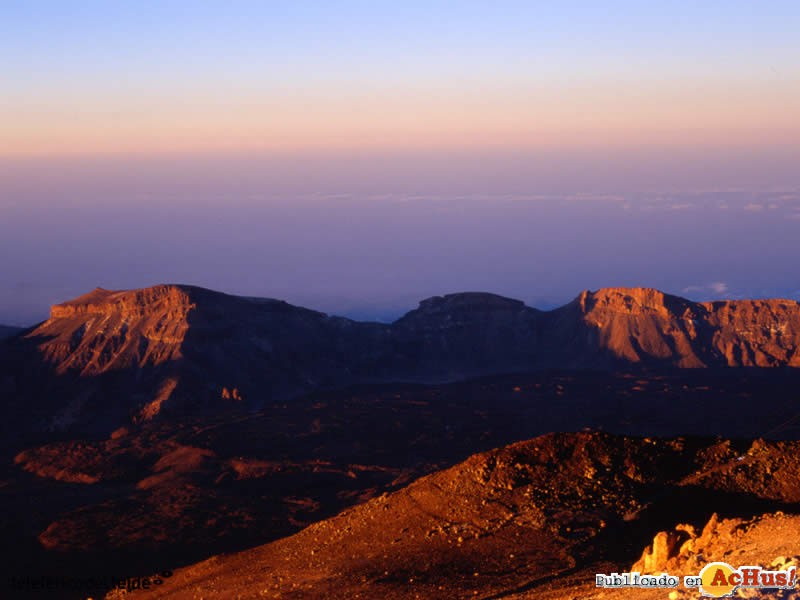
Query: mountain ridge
[[113, 357], [641, 296], [7, 331]]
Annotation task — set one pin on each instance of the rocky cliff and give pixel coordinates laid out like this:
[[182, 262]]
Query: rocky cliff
[[111, 357], [644, 325]]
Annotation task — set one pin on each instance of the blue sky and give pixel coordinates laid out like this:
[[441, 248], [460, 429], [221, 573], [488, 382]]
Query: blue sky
[[83, 60]]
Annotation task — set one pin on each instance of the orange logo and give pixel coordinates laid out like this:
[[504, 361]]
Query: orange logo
[[719, 579]]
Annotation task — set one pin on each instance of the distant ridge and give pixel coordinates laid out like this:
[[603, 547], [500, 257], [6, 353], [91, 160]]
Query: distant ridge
[[7, 331], [116, 356]]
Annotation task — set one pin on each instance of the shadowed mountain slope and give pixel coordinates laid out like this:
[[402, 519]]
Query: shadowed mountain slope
[[110, 358], [7, 331]]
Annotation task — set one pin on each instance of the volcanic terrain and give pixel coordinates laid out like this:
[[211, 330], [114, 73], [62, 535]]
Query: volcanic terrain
[[108, 359], [146, 430], [507, 521]]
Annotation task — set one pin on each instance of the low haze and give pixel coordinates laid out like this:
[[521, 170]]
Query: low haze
[[329, 238]]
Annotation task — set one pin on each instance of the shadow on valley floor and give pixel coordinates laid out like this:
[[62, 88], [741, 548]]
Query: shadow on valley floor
[[160, 495]]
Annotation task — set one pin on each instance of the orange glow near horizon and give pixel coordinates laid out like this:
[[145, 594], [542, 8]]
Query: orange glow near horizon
[[616, 115]]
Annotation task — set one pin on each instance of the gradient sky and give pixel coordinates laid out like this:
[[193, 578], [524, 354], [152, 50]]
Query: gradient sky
[[104, 76], [357, 156]]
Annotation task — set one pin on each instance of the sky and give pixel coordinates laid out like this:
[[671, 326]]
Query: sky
[[356, 157]]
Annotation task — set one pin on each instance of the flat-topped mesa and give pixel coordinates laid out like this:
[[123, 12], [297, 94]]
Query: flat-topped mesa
[[641, 324], [471, 300], [130, 302], [780, 311], [108, 330], [640, 299], [636, 300], [465, 302]]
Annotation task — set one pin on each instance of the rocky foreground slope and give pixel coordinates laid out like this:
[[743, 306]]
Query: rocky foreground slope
[[109, 358], [531, 518], [170, 492]]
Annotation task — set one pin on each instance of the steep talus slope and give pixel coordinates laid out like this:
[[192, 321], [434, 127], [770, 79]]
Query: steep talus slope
[[507, 520], [108, 358]]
